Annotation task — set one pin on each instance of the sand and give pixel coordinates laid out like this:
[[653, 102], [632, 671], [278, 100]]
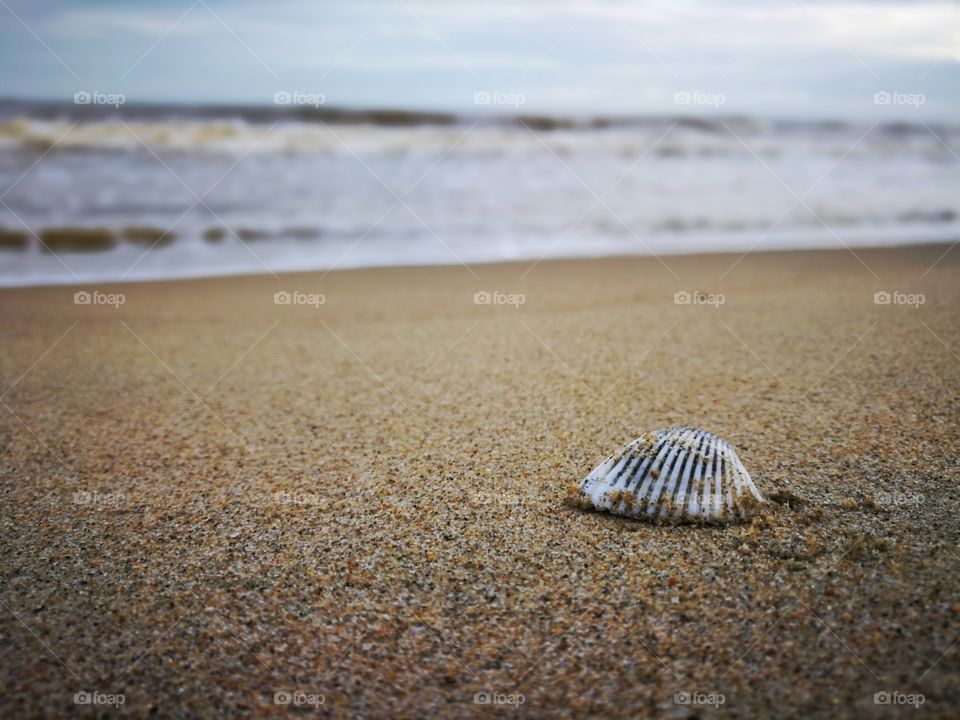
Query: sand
[[209, 498]]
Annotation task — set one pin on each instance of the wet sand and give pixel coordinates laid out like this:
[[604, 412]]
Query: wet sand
[[210, 500]]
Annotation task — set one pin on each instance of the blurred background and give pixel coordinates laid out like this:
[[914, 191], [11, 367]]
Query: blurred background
[[153, 139]]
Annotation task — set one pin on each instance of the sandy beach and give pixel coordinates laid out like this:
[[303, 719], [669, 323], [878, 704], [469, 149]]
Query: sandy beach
[[352, 503]]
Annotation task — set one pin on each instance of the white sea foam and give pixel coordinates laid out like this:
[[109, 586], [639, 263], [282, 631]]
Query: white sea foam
[[310, 195]]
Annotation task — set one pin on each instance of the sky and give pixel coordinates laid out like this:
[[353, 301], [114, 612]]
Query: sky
[[800, 58]]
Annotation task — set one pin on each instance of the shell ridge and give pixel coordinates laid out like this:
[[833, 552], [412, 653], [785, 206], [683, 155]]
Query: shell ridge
[[648, 476], [614, 475], [730, 481], [680, 463], [693, 465], [707, 479], [697, 487], [717, 497], [748, 483], [629, 470], [664, 469], [736, 498]]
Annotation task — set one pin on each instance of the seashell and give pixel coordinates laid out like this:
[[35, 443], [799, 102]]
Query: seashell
[[675, 475]]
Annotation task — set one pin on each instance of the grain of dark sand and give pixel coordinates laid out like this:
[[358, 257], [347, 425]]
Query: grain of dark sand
[[208, 498]]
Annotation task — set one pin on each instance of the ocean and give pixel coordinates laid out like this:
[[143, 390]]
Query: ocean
[[97, 194]]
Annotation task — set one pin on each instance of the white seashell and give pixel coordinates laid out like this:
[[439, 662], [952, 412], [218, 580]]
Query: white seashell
[[678, 474]]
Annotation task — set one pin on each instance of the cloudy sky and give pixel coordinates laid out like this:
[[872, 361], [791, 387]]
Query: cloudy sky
[[806, 58]]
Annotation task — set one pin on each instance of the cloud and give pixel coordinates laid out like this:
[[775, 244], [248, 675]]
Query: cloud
[[803, 57]]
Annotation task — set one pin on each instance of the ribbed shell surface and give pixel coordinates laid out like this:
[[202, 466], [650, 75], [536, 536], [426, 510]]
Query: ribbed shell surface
[[678, 474]]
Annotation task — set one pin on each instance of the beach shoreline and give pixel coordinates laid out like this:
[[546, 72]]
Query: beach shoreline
[[224, 196], [222, 492]]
